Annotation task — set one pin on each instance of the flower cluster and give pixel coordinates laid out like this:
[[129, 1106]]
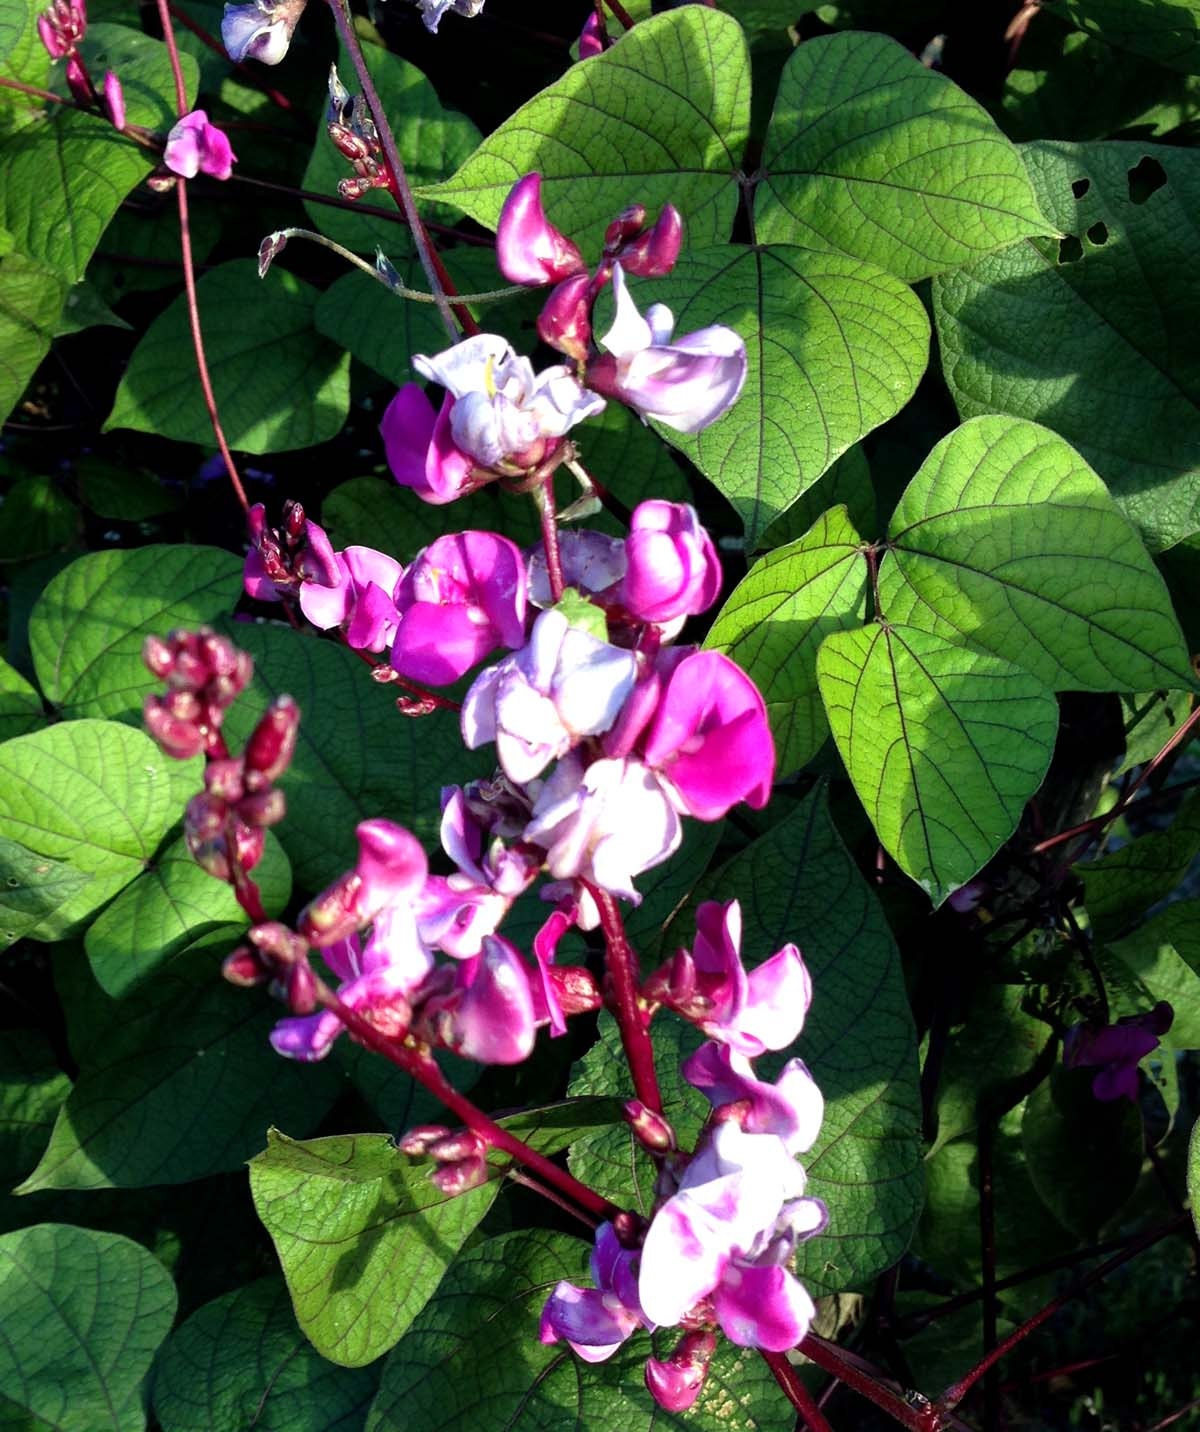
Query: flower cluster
[[61, 27]]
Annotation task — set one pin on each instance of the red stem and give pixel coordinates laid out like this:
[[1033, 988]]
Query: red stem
[[631, 1018], [426, 1072], [621, 13], [795, 1391], [544, 497], [38, 93], [241, 68], [832, 1359], [955, 1393], [164, 15]]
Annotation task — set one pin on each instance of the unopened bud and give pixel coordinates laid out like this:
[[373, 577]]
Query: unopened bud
[[576, 988], [457, 1146], [301, 986], [294, 519], [114, 100], [333, 915], [351, 146], [265, 808], [272, 744], [676, 1383], [277, 943], [179, 739], [416, 1142], [158, 657], [361, 184], [627, 223], [653, 253], [250, 844], [630, 1228], [339, 97], [245, 967], [392, 1017], [565, 320], [651, 1129], [78, 82], [454, 1179], [223, 780], [268, 251]]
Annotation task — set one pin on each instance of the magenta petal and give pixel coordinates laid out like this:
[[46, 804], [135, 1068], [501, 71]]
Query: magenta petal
[[763, 1307], [407, 430], [306, 1039], [779, 993], [585, 1318], [391, 865], [255, 581], [545, 946], [447, 469], [437, 644], [675, 1386], [494, 1022]]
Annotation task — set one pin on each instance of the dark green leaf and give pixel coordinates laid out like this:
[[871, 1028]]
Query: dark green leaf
[[872, 153], [97, 795], [944, 744], [126, 494], [1151, 718], [1167, 31], [776, 618], [88, 627], [1193, 1173], [1078, 335], [38, 518], [85, 308], [1164, 955], [32, 1089], [1120, 887], [835, 347], [278, 384], [83, 1314], [178, 1082], [472, 1360], [1008, 540], [241, 1361], [848, 483], [32, 887], [380, 328], [661, 118], [31, 298]]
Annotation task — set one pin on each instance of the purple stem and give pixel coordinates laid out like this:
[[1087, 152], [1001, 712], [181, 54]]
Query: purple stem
[[631, 1017]]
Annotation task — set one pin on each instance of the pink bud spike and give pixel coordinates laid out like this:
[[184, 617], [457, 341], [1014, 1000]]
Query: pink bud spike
[[653, 253], [114, 100]]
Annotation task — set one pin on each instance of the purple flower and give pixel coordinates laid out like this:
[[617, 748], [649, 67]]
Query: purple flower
[[433, 10], [710, 737], [194, 146], [261, 30], [589, 38], [596, 1321], [360, 598], [488, 1013], [752, 1012], [591, 562], [654, 252], [673, 569], [420, 450], [606, 822], [791, 1109], [529, 249], [1117, 1050], [685, 385], [536, 705], [676, 1383], [463, 596]]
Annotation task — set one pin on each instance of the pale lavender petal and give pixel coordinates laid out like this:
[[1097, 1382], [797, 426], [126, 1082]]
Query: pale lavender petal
[[594, 1324], [778, 996]]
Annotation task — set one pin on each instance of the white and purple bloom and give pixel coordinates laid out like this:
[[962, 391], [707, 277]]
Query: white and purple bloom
[[540, 702], [194, 146], [490, 1014], [591, 562], [1116, 1050], [359, 600], [596, 1321], [672, 567], [529, 249], [790, 1109], [463, 596], [686, 384], [433, 10], [420, 450], [261, 30]]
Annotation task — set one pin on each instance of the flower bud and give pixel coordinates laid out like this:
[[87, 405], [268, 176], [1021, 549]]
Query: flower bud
[[590, 41], [358, 186], [114, 100], [56, 45], [351, 146], [417, 1141], [178, 739], [223, 780], [277, 943], [457, 1178], [627, 223], [529, 249], [249, 844], [265, 808], [654, 252], [333, 915], [391, 1017], [455, 1147], [301, 986], [676, 1383], [672, 565], [158, 657], [195, 146], [78, 82], [651, 1129], [245, 967], [575, 987], [565, 321], [272, 744], [294, 519]]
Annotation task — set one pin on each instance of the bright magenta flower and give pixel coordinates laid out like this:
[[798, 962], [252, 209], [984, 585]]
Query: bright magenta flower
[[672, 568], [194, 146]]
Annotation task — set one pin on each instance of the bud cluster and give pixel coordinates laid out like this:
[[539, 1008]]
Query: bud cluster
[[204, 672], [459, 1154], [353, 132], [61, 27]]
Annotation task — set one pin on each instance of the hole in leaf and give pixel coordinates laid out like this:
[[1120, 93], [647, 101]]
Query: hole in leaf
[[1070, 250], [1098, 234], [1146, 176], [1079, 187]]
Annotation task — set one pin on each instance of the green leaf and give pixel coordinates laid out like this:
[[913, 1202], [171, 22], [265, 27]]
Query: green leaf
[[31, 298], [88, 627], [388, 763], [661, 118], [32, 887], [364, 1237], [1167, 31], [32, 1088], [38, 518], [84, 309], [278, 384], [22, 57], [1126, 396], [1120, 887], [665, 888], [178, 1082], [97, 795], [20, 704], [777, 617], [1151, 718], [1008, 540], [68, 172], [1164, 955], [1084, 1154], [379, 328], [944, 745], [834, 346], [83, 1314], [170, 906], [472, 1360], [847, 482], [241, 1361], [872, 153], [396, 1099], [126, 494], [432, 141]]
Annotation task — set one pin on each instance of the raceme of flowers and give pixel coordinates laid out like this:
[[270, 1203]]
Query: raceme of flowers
[[608, 735]]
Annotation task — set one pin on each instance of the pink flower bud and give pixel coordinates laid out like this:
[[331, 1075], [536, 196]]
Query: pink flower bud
[[245, 967], [529, 249], [265, 808], [575, 988], [455, 1147], [178, 739], [333, 915], [651, 1128], [565, 321], [223, 780], [627, 223], [272, 744], [654, 252], [301, 985], [676, 1383], [78, 82], [158, 657], [114, 100], [416, 1143], [457, 1178], [673, 569], [277, 943], [590, 42]]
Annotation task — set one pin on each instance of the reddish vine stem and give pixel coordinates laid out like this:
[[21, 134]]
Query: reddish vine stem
[[795, 1391], [426, 1072], [394, 167], [623, 972], [544, 497], [829, 1357], [6, 83], [620, 12], [955, 1393], [241, 68]]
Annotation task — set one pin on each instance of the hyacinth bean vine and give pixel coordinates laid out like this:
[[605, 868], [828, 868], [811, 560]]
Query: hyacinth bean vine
[[698, 740]]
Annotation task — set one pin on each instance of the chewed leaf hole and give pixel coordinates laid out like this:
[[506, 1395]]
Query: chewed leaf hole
[[1098, 234], [1070, 250], [1146, 176], [1079, 187]]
